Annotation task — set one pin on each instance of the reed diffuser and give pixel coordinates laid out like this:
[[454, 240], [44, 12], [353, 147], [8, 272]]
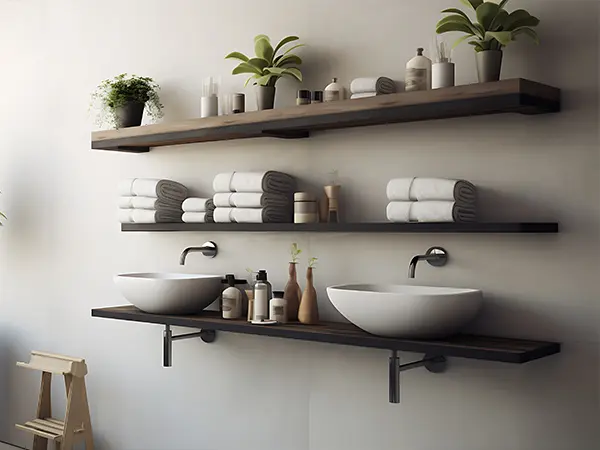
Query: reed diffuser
[[443, 70]]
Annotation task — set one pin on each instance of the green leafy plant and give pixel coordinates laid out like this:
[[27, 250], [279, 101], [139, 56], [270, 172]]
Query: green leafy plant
[[494, 27], [114, 93], [312, 262], [295, 252], [270, 64]]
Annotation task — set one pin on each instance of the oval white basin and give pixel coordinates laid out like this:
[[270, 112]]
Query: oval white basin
[[169, 293], [418, 312]]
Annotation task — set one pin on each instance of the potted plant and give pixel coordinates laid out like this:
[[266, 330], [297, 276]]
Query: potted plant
[[493, 30], [123, 98], [268, 66], [308, 313], [292, 292]]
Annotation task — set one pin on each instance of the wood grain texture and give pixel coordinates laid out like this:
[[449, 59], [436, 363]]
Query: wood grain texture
[[464, 346], [506, 96], [386, 227]]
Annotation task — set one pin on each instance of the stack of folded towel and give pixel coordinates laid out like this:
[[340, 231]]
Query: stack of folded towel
[[431, 200], [145, 200], [370, 87], [195, 209], [252, 197]]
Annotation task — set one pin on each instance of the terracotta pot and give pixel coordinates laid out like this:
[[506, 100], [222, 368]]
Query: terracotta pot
[[292, 293], [308, 313], [129, 115], [265, 97], [489, 65]]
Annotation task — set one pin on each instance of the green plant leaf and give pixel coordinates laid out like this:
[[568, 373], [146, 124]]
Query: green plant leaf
[[486, 13], [259, 63], [268, 80], [499, 21], [504, 37], [528, 32], [262, 36], [294, 72], [275, 70], [454, 26], [472, 3], [237, 55], [520, 18], [292, 48], [461, 40], [288, 59], [456, 18], [284, 41], [253, 77], [503, 3], [263, 50], [456, 11], [246, 68]]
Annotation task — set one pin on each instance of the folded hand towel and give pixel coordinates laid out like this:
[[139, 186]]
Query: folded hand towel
[[195, 204], [166, 190], [363, 95], [147, 203], [148, 216], [252, 215], [381, 85], [425, 189], [271, 182], [194, 217], [252, 200], [430, 212]]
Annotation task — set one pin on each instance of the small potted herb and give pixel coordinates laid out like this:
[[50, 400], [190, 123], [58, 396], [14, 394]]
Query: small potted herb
[[493, 30], [122, 100], [268, 66], [308, 313]]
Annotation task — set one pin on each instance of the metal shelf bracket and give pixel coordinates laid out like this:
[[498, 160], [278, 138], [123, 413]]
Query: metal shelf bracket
[[207, 336], [434, 364]]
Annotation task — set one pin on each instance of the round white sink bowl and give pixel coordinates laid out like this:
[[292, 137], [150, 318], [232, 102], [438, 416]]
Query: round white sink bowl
[[169, 293], [418, 312]]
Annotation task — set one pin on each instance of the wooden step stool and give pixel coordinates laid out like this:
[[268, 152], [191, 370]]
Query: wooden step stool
[[77, 425]]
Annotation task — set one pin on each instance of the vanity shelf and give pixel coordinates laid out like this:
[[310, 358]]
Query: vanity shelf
[[386, 227], [515, 351], [506, 96]]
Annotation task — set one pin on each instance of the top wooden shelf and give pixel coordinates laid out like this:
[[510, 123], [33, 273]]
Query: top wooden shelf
[[507, 96]]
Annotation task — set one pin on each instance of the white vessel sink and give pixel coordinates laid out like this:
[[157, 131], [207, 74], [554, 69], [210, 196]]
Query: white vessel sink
[[418, 312], [169, 293]]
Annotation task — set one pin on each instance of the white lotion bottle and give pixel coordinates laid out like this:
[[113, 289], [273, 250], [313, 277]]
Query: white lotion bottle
[[232, 299], [261, 301], [278, 308], [418, 73], [333, 92]]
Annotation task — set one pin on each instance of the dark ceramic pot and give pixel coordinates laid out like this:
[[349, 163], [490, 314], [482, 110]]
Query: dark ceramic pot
[[129, 115], [489, 65], [265, 97]]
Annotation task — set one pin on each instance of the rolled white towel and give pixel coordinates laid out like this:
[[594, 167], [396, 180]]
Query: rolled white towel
[[196, 204], [251, 200], [167, 190], [430, 212], [363, 95], [252, 215], [147, 203], [223, 215], [271, 181], [194, 217], [148, 216], [379, 85], [428, 189]]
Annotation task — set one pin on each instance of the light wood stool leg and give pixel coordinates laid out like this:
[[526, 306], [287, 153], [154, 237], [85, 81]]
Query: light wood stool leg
[[44, 409]]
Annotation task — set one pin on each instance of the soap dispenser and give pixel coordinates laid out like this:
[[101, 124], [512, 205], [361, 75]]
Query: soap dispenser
[[262, 276], [233, 298], [418, 73]]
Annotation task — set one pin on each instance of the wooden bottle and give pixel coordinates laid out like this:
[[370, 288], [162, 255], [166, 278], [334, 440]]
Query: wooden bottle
[[308, 313], [292, 293]]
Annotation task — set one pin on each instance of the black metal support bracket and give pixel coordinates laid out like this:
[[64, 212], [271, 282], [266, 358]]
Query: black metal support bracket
[[207, 336], [434, 364], [287, 134]]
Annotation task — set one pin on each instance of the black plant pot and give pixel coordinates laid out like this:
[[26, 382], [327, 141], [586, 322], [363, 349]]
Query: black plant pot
[[129, 115]]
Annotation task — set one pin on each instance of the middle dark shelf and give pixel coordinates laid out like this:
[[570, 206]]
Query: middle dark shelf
[[385, 227]]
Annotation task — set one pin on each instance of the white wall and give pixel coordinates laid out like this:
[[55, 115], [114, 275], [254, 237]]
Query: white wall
[[61, 246]]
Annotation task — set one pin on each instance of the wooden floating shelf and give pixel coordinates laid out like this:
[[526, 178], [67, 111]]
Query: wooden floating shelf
[[462, 346], [506, 96], [387, 227]]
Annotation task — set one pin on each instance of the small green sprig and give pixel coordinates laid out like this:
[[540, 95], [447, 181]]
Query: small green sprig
[[312, 262], [295, 251]]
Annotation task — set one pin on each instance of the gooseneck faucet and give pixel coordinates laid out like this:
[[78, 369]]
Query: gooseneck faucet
[[435, 256], [208, 249]]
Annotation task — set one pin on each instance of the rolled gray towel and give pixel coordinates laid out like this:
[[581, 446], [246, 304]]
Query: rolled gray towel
[[271, 182], [252, 200], [379, 85], [431, 189], [210, 212], [166, 190], [432, 211]]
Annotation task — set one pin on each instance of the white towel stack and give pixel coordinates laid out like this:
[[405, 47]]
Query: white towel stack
[[431, 200], [370, 87], [194, 209], [252, 197], [148, 200]]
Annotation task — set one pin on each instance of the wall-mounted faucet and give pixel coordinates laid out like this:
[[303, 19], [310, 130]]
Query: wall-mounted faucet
[[435, 256], [208, 249]]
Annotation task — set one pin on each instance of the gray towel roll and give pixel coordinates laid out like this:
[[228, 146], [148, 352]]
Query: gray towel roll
[[379, 85]]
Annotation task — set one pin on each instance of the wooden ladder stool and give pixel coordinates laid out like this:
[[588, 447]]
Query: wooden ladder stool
[[77, 425]]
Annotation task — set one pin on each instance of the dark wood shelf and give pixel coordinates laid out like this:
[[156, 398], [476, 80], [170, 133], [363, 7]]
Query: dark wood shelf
[[463, 346], [387, 227], [506, 96]]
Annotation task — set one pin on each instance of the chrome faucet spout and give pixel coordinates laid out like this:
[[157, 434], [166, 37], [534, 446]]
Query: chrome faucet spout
[[435, 256], [208, 249]]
